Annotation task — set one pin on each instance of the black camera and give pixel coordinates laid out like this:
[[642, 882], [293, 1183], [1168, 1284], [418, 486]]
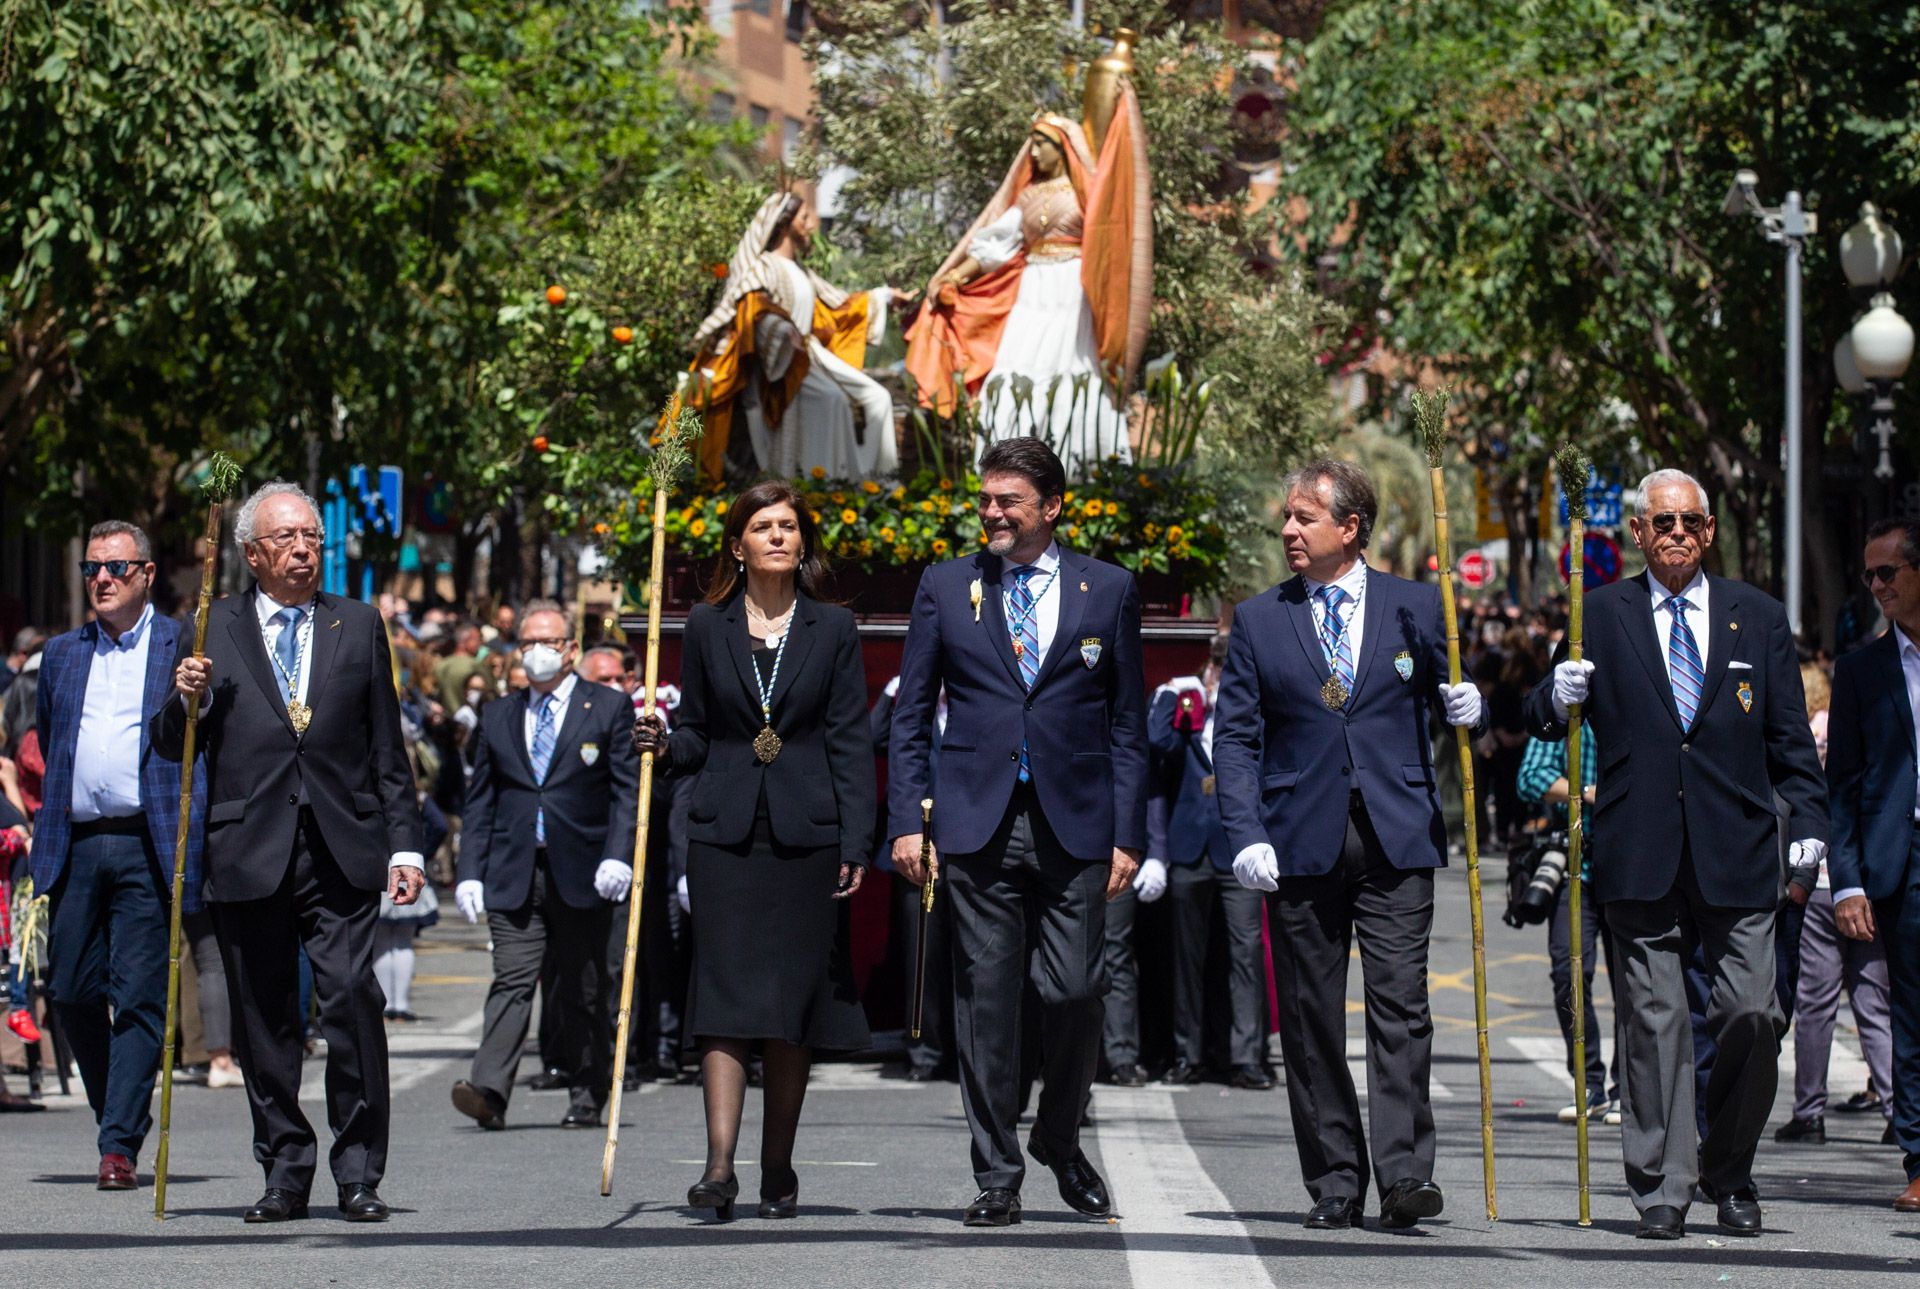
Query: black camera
[[1535, 875]]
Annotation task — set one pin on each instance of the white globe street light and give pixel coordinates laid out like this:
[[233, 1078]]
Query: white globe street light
[[1882, 345], [1869, 252], [1846, 369]]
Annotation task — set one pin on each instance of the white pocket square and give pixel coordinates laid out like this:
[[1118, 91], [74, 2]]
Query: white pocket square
[[1734, 664]]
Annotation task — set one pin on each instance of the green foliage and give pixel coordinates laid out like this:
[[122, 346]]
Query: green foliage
[[1573, 469], [1430, 417]]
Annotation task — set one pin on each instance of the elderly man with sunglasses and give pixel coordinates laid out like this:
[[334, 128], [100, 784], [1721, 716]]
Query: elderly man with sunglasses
[[1692, 685]]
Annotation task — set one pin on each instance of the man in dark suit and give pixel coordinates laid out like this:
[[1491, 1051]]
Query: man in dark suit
[[1692, 686], [1039, 807], [104, 839], [1191, 840], [1327, 792], [1875, 794], [313, 814], [549, 842]]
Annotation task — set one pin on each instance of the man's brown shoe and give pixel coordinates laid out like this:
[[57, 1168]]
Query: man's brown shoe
[[116, 1174], [1909, 1201]]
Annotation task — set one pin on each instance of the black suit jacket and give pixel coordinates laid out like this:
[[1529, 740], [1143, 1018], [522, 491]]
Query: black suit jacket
[[1870, 770], [590, 797], [820, 789], [350, 766], [1713, 784]]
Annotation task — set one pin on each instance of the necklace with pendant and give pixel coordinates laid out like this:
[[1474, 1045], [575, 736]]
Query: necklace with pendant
[[766, 744], [299, 715], [1014, 624]]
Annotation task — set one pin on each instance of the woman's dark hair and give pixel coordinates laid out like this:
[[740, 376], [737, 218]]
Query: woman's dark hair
[[811, 576], [784, 220], [1032, 460], [20, 712]]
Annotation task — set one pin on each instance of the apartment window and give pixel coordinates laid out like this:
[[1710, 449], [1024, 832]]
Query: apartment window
[[761, 8], [790, 139], [760, 117], [720, 16], [720, 106], [799, 18]]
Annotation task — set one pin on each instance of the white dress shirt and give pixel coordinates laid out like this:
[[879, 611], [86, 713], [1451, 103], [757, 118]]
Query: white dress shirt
[[562, 694], [270, 628], [106, 756], [1043, 582], [1354, 583], [1696, 593]]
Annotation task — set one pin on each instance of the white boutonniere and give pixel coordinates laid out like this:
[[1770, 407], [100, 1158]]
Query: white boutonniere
[[973, 594]]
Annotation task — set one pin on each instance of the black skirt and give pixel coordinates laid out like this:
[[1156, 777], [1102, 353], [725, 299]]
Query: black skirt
[[770, 955]]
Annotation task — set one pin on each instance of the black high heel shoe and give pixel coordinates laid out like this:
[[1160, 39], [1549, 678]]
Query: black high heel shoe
[[779, 1193], [716, 1195]]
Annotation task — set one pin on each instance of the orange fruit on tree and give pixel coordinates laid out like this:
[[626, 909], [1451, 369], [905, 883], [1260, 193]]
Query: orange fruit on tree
[[556, 294], [539, 443], [623, 335]]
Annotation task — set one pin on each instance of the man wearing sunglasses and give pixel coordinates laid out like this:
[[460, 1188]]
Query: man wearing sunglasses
[[1692, 685], [103, 840], [313, 816], [1875, 866]]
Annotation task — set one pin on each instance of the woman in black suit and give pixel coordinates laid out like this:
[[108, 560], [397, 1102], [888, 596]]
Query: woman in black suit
[[772, 721]]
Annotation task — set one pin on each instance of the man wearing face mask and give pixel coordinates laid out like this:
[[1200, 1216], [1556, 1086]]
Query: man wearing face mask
[[1692, 686], [549, 830]]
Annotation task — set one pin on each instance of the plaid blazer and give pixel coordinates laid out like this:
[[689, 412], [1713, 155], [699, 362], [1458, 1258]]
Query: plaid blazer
[[64, 667]]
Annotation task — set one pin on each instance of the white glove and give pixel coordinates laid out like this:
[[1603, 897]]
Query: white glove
[[1465, 703], [1258, 868], [1151, 880], [680, 893], [471, 897], [1806, 854], [612, 879], [1570, 682]]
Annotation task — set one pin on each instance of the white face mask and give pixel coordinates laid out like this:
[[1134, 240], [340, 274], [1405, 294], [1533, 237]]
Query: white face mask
[[543, 663]]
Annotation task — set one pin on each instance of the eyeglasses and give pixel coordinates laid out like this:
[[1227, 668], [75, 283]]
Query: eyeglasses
[[287, 537], [1880, 573], [552, 642], [117, 568], [1692, 520], [1006, 501]]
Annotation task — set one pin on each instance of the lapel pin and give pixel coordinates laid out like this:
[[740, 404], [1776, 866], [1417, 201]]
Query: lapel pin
[[1083, 586], [1733, 626], [1746, 696], [331, 625]]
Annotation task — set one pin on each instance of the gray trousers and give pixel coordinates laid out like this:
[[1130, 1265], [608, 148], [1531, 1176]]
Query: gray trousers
[[1025, 909], [1652, 941], [1315, 921], [1194, 891], [520, 941], [1120, 1031], [1828, 961]]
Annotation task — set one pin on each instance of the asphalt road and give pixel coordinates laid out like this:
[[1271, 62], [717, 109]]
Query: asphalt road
[[1205, 1179]]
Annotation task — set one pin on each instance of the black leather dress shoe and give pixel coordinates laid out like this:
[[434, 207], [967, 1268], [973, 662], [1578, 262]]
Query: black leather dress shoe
[[361, 1203], [1408, 1201], [1252, 1078], [1334, 1213], [1080, 1185], [1128, 1075], [1183, 1073], [480, 1105], [1662, 1222], [994, 1206], [1806, 1132], [277, 1206], [1739, 1211], [717, 1194], [548, 1080], [580, 1116]]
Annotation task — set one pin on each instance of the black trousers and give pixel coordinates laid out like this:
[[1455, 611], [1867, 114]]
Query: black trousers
[[260, 943], [546, 929], [1315, 921], [1025, 910], [1195, 891]]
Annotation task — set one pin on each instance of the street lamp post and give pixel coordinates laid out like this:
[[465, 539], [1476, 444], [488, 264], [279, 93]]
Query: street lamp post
[[1875, 353], [1788, 224]]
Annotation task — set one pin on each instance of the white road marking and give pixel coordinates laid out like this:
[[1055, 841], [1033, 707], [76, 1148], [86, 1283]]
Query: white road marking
[[1178, 1227], [1357, 1066], [1549, 1056], [405, 1072]]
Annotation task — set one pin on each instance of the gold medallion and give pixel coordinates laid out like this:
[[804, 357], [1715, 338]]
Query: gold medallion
[[300, 715], [766, 745], [1208, 785], [1333, 694], [1019, 649]]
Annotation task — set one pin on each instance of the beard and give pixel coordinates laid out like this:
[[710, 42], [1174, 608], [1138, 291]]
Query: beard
[[1001, 541]]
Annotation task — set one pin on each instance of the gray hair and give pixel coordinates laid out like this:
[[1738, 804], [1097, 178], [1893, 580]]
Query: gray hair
[[1669, 479], [121, 528], [1350, 492], [532, 607], [243, 527]]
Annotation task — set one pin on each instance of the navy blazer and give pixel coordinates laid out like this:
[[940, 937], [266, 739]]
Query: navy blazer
[[1286, 765], [1084, 721], [64, 668], [590, 797], [1188, 827], [1713, 785], [1870, 770]]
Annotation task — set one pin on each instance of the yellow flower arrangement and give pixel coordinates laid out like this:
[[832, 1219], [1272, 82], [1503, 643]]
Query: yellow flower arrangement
[[886, 534], [698, 528], [870, 487], [1174, 534], [849, 516], [818, 472], [940, 546], [1113, 508]]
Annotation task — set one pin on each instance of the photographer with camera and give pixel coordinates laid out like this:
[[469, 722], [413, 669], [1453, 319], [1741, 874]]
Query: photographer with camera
[[1543, 780]]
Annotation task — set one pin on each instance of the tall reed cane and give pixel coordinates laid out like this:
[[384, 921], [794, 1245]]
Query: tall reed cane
[[222, 476], [1572, 467], [1430, 411], [672, 454]]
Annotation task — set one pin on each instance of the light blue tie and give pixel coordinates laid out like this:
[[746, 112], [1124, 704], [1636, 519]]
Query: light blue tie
[[1027, 632], [287, 649], [1685, 669], [542, 758], [1333, 636]]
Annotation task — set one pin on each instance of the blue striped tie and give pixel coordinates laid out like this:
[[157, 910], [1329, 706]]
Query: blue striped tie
[[1684, 667], [286, 647], [1333, 636], [1028, 634], [542, 758]]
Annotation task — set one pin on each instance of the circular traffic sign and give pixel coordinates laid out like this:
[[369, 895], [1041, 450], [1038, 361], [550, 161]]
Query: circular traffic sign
[[1602, 560]]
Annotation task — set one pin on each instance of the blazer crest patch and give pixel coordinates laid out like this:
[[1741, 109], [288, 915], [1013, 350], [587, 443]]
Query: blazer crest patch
[[589, 753], [1745, 695], [1090, 652], [1403, 666]]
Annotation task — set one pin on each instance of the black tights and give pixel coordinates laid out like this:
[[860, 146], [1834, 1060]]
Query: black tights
[[723, 1072]]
